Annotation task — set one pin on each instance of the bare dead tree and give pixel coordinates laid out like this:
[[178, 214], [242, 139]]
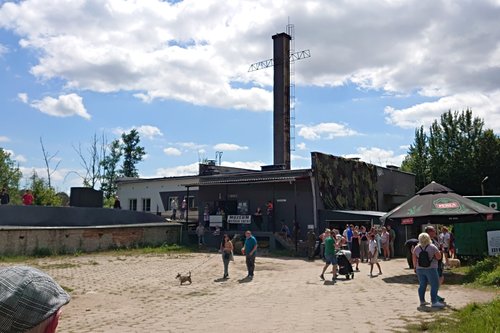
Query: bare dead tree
[[48, 159], [91, 160]]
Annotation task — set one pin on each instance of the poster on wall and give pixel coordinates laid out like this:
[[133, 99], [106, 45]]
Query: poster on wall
[[493, 242], [216, 221]]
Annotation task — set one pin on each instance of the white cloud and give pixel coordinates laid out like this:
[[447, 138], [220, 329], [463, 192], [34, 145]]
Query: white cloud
[[4, 139], [295, 157], [23, 97], [64, 106], [483, 106], [251, 165], [172, 151], [301, 146], [149, 131], [145, 131], [3, 50], [181, 170], [377, 156], [15, 157], [325, 131], [139, 46], [192, 146], [229, 147]]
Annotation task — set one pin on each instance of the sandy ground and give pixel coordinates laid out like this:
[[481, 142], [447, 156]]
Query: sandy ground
[[140, 294]]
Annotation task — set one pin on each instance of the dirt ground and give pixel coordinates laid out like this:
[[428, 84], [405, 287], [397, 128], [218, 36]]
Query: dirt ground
[[140, 294]]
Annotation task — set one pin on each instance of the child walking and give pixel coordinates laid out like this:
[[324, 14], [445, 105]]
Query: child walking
[[373, 254]]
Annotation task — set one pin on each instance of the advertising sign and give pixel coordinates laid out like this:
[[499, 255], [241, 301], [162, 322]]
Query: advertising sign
[[493, 242], [239, 219]]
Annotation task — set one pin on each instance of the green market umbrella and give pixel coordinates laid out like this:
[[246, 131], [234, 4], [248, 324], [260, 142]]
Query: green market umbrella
[[438, 204]]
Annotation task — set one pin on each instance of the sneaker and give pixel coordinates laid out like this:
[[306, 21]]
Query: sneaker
[[322, 277], [424, 303], [438, 305]]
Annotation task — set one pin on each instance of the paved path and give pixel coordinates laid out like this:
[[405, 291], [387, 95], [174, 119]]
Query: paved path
[[139, 294]]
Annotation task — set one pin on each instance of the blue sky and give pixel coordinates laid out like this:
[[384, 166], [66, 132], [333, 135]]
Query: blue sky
[[177, 72]]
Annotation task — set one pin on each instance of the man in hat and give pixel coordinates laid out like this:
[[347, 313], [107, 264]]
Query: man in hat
[[30, 301]]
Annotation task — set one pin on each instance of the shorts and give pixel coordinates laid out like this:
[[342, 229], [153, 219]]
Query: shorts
[[331, 259]]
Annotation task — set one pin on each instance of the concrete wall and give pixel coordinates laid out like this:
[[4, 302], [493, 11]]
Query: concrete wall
[[393, 188], [41, 216], [27, 241]]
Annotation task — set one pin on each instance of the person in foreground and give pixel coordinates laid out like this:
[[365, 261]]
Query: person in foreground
[[249, 250], [226, 248], [425, 258], [30, 301]]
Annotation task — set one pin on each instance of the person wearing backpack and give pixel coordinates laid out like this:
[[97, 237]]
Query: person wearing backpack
[[425, 263]]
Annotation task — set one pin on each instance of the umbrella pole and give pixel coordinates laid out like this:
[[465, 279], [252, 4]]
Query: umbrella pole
[[406, 232]]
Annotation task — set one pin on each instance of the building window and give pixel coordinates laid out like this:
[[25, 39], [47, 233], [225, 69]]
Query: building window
[[146, 205], [132, 204]]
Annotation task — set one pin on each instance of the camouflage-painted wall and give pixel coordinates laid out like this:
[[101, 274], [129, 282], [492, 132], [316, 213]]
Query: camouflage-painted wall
[[345, 183]]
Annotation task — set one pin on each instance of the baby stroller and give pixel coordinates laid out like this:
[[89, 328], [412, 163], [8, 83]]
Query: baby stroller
[[345, 267]]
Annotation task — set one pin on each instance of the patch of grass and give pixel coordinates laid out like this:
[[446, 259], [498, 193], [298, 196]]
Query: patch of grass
[[42, 252], [484, 273], [162, 249], [473, 318]]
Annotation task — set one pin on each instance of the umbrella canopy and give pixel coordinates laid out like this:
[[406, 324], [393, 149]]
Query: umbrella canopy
[[436, 203]]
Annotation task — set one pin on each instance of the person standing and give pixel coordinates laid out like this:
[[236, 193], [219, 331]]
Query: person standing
[[257, 217], [117, 204], [173, 207], [4, 197], [206, 216], [444, 242], [200, 232], [373, 254], [392, 238], [355, 253], [425, 261], [363, 249], [348, 236], [28, 198], [183, 208], [250, 252], [270, 220], [226, 247], [440, 266], [330, 256], [311, 244], [385, 243]]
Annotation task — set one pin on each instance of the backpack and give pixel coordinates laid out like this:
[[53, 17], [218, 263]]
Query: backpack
[[423, 258]]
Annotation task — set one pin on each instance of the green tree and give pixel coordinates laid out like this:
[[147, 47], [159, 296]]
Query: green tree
[[417, 160], [488, 161], [10, 175], [44, 194], [132, 153], [457, 153], [109, 165]]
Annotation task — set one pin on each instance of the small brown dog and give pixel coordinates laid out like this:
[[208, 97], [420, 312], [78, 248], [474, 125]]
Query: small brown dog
[[453, 263], [184, 278]]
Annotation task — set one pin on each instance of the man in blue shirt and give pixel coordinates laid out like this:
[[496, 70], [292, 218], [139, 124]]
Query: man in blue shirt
[[250, 250]]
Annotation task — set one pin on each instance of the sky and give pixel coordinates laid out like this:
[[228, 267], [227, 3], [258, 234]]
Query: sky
[[177, 71]]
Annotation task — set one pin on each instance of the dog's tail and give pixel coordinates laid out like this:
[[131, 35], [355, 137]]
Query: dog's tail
[[189, 274]]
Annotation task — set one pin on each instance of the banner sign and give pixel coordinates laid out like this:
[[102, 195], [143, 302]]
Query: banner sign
[[408, 220], [239, 219], [493, 242], [216, 221]]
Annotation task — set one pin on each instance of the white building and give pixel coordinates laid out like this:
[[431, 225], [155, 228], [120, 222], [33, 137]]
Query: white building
[[156, 195]]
